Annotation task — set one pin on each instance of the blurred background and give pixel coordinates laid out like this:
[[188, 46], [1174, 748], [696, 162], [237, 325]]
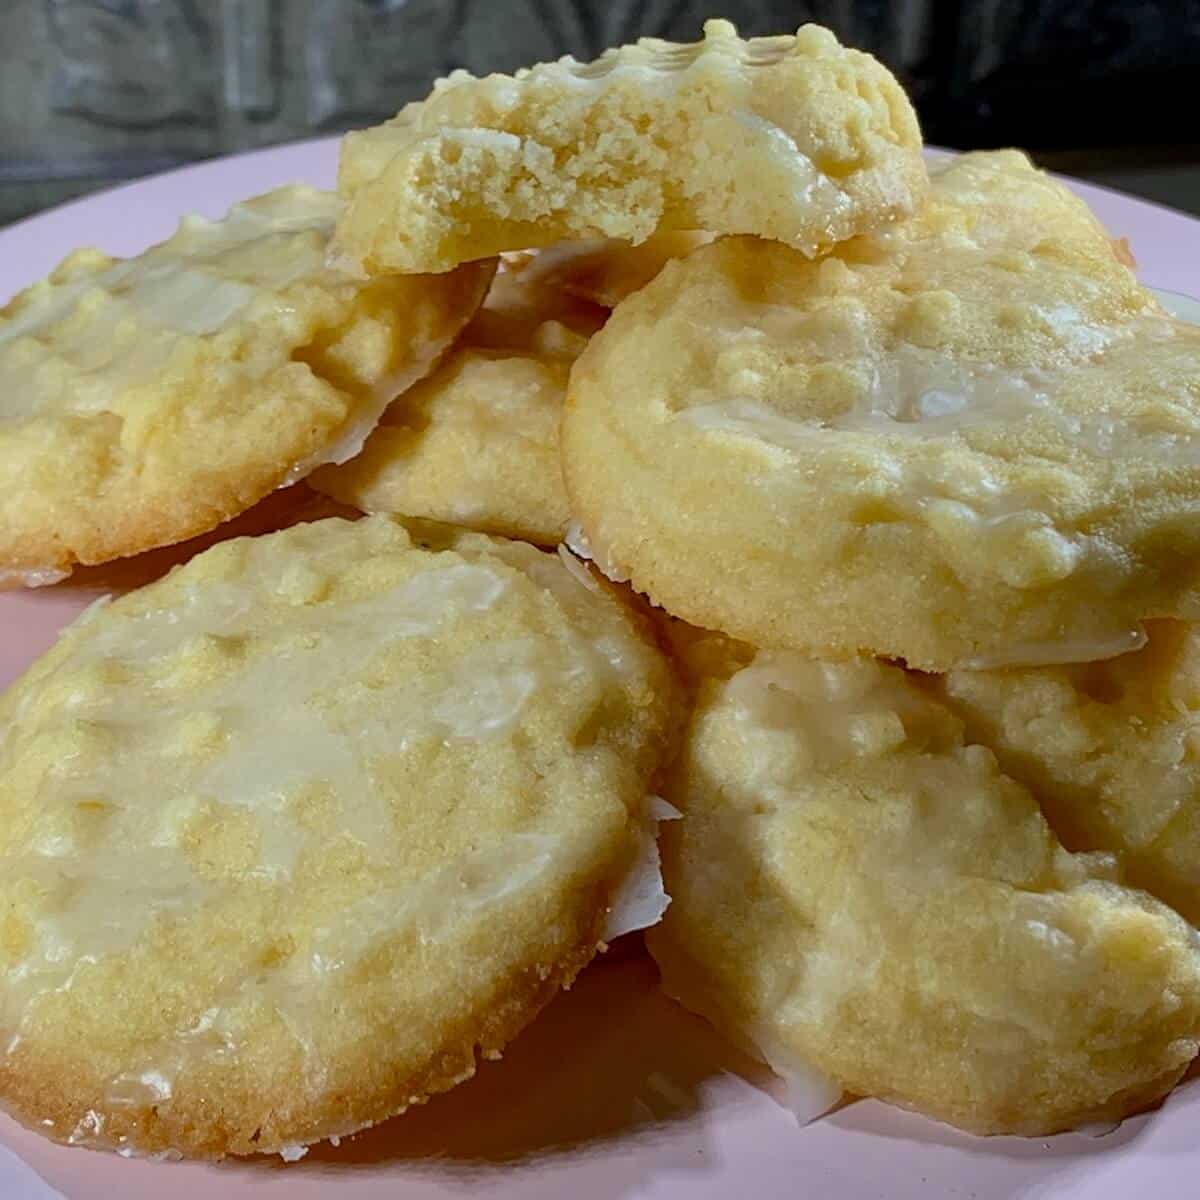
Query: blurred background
[[93, 92]]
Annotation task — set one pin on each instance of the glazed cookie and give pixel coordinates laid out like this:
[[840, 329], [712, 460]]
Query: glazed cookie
[[795, 138], [146, 400], [476, 443], [293, 836], [1110, 749], [971, 440], [860, 894]]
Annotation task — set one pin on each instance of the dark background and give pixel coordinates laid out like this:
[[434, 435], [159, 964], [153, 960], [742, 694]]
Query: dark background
[[96, 91]]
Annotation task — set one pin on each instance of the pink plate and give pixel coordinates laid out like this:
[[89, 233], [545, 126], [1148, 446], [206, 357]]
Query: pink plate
[[615, 1092]]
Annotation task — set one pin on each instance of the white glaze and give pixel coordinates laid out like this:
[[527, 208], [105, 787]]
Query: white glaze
[[1072, 650], [199, 282], [576, 569], [917, 393], [590, 550], [179, 284], [640, 899], [809, 1093]]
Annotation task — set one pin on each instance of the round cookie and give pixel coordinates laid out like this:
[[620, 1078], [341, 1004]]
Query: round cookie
[[1110, 749], [971, 440], [859, 892], [476, 443], [795, 138], [145, 400], [293, 836]]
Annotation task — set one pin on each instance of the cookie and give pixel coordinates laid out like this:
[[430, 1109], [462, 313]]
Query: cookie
[[146, 400], [973, 439], [292, 837], [1109, 749], [795, 138], [476, 443], [860, 893]]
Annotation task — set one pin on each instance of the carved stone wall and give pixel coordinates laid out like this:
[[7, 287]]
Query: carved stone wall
[[95, 91]]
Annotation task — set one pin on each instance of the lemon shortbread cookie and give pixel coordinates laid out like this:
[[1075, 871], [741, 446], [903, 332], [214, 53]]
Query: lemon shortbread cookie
[[973, 438], [795, 138], [145, 400], [476, 443], [293, 836], [1110, 749], [860, 894]]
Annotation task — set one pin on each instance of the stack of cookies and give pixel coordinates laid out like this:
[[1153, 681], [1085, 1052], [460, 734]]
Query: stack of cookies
[[773, 545]]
